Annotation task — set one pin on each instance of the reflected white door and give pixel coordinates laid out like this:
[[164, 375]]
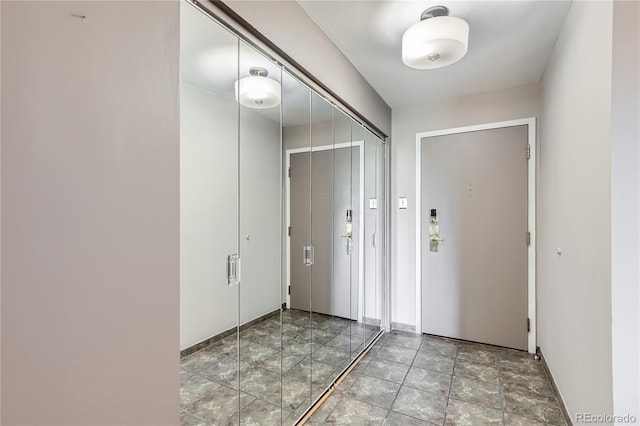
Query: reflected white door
[[474, 287]]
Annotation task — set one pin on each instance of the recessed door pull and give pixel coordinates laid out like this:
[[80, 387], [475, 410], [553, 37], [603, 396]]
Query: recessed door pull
[[233, 269]]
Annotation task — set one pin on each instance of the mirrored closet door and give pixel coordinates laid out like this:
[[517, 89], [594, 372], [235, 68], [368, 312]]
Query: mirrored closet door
[[282, 234]]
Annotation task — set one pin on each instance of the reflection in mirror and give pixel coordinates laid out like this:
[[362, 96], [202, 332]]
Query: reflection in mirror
[[345, 235], [357, 253], [328, 358], [260, 237], [280, 178], [296, 318], [373, 235], [208, 220]]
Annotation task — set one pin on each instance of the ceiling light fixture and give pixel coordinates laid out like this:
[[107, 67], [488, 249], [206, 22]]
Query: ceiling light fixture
[[257, 90], [436, 41]]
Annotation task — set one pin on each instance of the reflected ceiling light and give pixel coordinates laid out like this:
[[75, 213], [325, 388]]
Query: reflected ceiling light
[[258, 90], [436, 41]]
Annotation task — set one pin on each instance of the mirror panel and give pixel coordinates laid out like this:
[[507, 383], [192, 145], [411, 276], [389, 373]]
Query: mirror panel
[[344, 305], [374, 208], [209, 224], [326, 358], [296, 325], [357, 252], [263, 180], [260, 175]]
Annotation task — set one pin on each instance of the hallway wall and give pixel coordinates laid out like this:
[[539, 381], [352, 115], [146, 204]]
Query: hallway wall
[[625, 208], [574, 288], [90, 213], [501, 105]]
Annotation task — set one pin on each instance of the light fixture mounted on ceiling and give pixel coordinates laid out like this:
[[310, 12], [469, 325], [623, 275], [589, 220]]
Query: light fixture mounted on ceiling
[[257, 90], [436, 41]]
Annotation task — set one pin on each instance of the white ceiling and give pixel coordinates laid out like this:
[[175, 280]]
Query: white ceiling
[[211, 58], [509, 44]]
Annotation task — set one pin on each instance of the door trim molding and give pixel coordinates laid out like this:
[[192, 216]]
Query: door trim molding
[[531, 220], [288, 154]]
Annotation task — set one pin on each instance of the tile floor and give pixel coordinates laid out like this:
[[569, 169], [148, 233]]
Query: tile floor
[[212, 390], [409, 379], [406, 379]]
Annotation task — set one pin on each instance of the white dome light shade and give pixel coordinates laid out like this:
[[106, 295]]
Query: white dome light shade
[[257, 91], [435, 42]]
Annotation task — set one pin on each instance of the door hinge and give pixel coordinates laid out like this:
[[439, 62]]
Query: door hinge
[[289, 172], [528, 152], [289, 231], [528, 237], [528, 325], [289, 290]]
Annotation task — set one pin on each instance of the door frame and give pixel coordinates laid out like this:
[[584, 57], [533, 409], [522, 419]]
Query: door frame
[[531, 219], [288, 154]]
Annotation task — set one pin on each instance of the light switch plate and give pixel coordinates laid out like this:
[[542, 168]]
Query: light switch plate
[[373, 203], [402, 203]]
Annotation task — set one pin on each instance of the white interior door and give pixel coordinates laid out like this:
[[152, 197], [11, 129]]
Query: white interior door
[[474, 287]]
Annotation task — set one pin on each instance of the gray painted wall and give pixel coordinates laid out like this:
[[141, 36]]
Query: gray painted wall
[[287, 25], [574, 289], [625, 208], [508, 104], [90, 225]]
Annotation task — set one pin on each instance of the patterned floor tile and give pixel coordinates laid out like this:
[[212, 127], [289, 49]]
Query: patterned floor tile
[[404, 340], [320, 415], [476, 371], [478, 354], [223, 370], [511, 419], [398, 419], [524, 363], [257, 381], [374, 391], [432, 361], [280, 362], [526, 382], [193, 387], [261, 413], [428, 380], [220, 406], [422, 405], [330, 355], [345, 342], [386, 370], [354, 412], [476, 392], [253, 352], [438, 346], [397, 354], [460, 413], [188, 419], [290, 393], [533, 406]]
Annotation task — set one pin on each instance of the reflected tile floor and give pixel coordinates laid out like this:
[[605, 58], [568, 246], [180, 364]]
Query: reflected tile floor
[[411, 379], [311, 351]]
